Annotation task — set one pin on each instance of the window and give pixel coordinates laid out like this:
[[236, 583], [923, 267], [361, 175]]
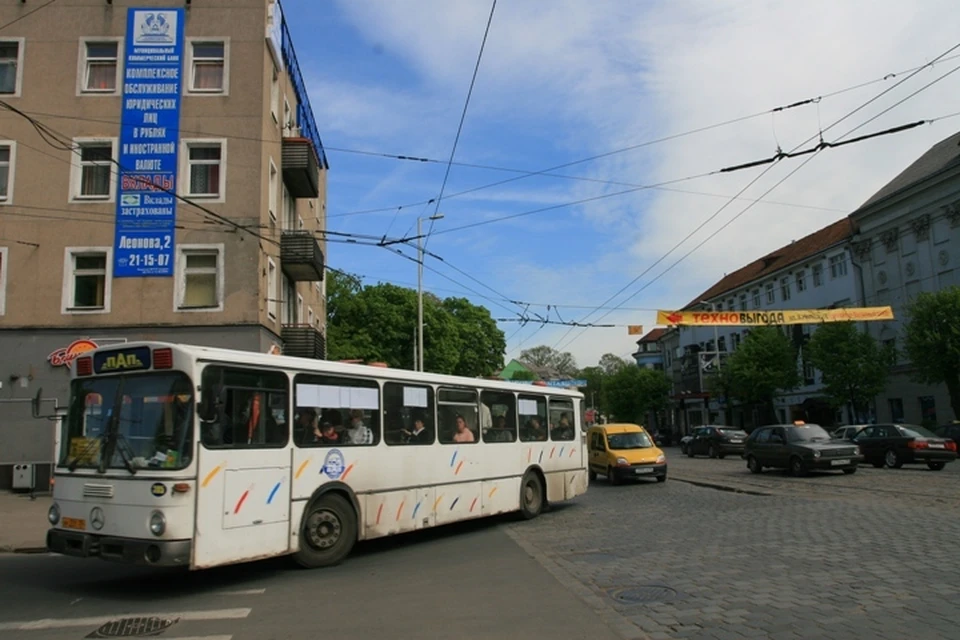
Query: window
[[289, 207], [287, 124], [928, 410], [205, 161], [7, 160], [11, 66], [817, 275], [771, 296], [310, 316], [838, 266], [735, 340], [272, 292], [457, 416], [801, 278], [272, 192], [99, 66], [243, 408], [498, 417], [299, 309], [209, 68], [3, 280], [743, 302], [533, 418], [896, 409], [92, 173], [275, 96], [562, 426], [336, 411], [408, 414], [200, 278], [756, 298], [87, 279], [785, 288]]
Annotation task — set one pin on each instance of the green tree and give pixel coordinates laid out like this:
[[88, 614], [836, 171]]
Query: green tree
[[523, 374], [378, 323], [764, 365], [594, 391], [611, 363], [932, 340], [632, 392], [854, 366], [543, 356]]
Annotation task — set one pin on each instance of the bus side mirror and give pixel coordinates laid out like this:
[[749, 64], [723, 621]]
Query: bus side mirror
[[35, 403], [207, 409]]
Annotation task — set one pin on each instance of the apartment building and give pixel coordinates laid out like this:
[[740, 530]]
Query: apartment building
[[161, 177], [813, 272]]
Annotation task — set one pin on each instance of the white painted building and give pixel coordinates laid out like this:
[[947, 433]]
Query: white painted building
[[907, 241]]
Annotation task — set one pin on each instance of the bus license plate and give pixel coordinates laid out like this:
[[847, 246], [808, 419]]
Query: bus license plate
[[643, 470], [74, 523], [837, 463]]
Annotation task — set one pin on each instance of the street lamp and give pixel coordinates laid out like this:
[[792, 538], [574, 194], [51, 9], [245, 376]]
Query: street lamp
[[419, 363]]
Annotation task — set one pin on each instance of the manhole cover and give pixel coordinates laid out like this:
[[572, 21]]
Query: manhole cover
[[132, 628], [645, 594]]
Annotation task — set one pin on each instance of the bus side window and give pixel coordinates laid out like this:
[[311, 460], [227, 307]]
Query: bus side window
[[533, 418], [503, 409], [347, 411], [453, 404], [244, 408], [408, 414], [561, 419]]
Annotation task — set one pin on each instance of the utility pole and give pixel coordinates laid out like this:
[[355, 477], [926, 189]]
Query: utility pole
[[419, 358]]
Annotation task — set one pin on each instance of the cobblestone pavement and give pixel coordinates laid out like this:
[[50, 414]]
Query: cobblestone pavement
[[675, 560]]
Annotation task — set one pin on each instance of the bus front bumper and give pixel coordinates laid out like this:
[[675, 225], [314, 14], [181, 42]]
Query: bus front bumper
[[156, 553]]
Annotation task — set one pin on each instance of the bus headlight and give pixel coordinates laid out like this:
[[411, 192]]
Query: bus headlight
[[53, 514], [158, 524]]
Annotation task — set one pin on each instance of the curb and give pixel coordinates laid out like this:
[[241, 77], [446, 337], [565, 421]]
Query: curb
[[23, 550], [619, 624], [722, 487]]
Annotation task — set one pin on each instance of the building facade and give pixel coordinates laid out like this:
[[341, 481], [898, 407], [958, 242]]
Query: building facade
[[649, 353], [161, 177], [907, 242], [814, 272]]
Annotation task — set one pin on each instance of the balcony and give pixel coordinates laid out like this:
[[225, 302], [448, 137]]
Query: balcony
[[301, 257], [301, 169], [303, 341]]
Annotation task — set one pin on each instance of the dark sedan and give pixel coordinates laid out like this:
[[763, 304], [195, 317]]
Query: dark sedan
[[950, 431], [801, 448], [895, 445], [716, 441]]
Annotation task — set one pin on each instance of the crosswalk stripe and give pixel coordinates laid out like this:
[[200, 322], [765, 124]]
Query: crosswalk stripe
[[62, 623]]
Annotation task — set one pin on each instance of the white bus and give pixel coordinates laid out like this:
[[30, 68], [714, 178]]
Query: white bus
[[178, 455]]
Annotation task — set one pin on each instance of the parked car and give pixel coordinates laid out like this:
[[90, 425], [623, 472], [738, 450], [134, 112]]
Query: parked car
[[895, 445], [799, 447], [621, 451], [716, 441], [951, 431], [847, 433], [684, 442]]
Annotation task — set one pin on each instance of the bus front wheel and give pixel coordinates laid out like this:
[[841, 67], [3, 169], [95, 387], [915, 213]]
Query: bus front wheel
[[328, 533], [531, 496]]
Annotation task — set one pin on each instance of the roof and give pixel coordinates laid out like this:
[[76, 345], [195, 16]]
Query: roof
[[940, 156], [782, 258], [652, 336]]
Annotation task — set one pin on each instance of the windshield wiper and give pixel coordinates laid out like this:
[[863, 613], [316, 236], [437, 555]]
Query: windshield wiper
[[113, 436]]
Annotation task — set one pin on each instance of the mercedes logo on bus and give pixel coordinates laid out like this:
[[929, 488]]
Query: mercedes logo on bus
[[96, 518]]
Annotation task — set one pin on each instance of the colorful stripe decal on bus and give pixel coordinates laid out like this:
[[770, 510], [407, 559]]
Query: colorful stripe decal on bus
[[551, 452], [454, 458], [459, 464], [572, 451], [212, 474], [541, 457], [415, 509], [492, 491], [243, 498], [454, 503], [346, 472], [302, 466], [473, 504], [560, 455], [400, 509], [273, 492], [436, 502], [379, 512]]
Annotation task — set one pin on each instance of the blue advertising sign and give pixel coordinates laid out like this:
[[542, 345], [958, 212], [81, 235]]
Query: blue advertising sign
[[566, 383], [149, 137]]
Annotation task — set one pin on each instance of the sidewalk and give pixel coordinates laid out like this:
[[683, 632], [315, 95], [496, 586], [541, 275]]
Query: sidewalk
[[23, 522]]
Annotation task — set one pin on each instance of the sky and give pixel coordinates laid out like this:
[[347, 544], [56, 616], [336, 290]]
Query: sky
[[628, 106]]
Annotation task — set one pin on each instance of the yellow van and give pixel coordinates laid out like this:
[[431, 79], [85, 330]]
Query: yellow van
[[620, 451]]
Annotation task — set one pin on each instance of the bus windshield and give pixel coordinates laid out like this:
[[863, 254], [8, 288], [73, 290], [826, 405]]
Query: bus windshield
[[134, 421]]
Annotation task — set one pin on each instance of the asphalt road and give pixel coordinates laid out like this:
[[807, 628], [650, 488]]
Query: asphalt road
[[468, 581], [871, 555]]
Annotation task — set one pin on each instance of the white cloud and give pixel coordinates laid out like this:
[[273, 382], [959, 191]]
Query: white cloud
[[615, 76]]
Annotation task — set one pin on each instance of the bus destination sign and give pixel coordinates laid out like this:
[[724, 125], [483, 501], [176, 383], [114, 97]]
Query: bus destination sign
[[117, 360]]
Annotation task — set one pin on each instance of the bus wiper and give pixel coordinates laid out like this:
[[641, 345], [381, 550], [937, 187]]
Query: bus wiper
[[113, 430], [126, 453]]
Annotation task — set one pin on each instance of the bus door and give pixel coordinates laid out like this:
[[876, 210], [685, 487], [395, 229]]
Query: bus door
[[244, 459]]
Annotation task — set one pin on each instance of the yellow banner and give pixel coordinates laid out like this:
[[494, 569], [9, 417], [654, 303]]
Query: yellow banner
[[634, 329], [785, 316]]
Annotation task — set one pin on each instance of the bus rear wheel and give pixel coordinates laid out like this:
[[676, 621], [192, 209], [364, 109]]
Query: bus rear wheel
[[531, 496], [328, 532]]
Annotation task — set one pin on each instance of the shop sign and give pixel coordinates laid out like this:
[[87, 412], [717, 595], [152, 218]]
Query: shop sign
[[65, 355]]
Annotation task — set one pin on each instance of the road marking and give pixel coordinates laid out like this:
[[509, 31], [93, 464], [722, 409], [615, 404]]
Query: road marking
[[63, 623], [240, 592], [200, 638]]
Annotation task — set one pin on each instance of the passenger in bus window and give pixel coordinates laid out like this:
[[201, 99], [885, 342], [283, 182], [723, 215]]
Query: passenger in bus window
[[419, 434], [358, 433], [563, 430], [326, 434], [534, 430], [463, 432], [307, 424]]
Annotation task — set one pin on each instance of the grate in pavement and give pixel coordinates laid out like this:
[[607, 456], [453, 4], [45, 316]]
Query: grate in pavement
[[644, 594], [132, 628]]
